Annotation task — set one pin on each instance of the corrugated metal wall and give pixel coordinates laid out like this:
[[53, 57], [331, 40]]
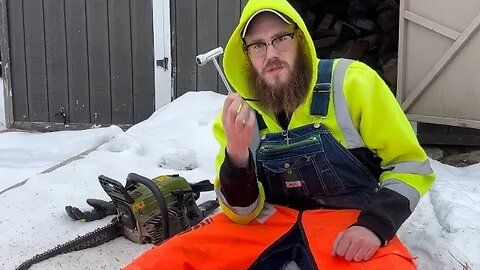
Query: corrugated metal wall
[[94, 58], [199, 26]]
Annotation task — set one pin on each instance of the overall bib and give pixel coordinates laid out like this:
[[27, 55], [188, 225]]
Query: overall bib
[[307, 168]]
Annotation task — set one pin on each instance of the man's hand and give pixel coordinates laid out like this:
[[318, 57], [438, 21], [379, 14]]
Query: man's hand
[[238, 120], [357, 243]]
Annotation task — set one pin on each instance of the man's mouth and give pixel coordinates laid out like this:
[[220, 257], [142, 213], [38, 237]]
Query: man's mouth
[[274, 68]]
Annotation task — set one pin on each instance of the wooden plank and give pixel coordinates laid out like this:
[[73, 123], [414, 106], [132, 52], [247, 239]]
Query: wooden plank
[[18, 69], [206, 40], [5, 52], [427, 128], [142, 60], [228, 17], [35, 60], [120, 61], [56, 55], [445, 121], [442, 63], [186, 67], [442, 139], [99, 61], [436, 27], [401, 91], [463, 131], [77, 65]]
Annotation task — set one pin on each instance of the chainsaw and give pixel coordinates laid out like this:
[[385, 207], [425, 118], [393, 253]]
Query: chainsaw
[[147, 211]]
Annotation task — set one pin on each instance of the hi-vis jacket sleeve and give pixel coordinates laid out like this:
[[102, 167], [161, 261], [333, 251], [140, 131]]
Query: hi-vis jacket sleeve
[[246, 196], [386, 130]]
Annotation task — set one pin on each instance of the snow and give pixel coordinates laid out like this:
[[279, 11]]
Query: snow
[[177, 138]]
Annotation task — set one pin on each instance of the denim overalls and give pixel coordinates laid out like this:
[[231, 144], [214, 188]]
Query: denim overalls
[[307, 168]]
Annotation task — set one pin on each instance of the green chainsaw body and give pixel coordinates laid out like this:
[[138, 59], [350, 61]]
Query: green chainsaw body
[[139, 212]]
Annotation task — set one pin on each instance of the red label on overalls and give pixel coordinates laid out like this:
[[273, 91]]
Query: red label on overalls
[[293, 184]]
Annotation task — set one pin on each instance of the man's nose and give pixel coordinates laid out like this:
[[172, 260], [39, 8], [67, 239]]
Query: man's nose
[[271, 52]]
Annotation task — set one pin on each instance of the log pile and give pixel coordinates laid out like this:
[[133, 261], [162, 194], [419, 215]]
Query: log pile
[[365, 30]]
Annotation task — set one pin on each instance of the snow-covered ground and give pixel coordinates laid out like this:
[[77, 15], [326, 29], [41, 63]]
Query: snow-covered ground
[[178, 139]]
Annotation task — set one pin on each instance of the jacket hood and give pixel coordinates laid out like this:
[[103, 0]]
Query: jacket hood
[[235, 60]]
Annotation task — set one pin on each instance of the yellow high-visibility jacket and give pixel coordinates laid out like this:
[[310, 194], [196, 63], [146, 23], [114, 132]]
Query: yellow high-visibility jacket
[[373, 110]]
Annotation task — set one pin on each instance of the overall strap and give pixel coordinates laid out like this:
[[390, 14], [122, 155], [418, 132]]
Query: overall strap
[[321, 98], [321, 91]]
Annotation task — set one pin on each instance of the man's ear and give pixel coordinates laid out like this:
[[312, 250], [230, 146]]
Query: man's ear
[[301, 36]]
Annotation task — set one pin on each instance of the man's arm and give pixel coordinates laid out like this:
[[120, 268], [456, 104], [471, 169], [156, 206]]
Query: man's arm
[[240, 195], [386, 130], [238, 184]]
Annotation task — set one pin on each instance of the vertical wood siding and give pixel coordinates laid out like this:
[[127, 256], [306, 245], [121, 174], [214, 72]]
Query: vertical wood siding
[[94, 58], [200, 26]]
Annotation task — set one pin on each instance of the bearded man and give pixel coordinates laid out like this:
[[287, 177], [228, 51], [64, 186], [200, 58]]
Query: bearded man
[[318, 165]]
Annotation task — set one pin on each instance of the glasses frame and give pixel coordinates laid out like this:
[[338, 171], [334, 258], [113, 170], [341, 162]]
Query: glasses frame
[[247, 46]]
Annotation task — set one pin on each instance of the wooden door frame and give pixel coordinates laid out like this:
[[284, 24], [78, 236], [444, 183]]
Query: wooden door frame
[[168, 12]]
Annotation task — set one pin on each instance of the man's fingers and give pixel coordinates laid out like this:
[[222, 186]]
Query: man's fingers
[[239, 108], [370, 254], [251, 119], [353, 248], [336, 243], [226, 106], [361, 253], [243, 116], [232, 111], [356, 243]]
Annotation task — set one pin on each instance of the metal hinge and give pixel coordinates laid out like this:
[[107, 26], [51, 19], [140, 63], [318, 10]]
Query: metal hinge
[[163, 63]]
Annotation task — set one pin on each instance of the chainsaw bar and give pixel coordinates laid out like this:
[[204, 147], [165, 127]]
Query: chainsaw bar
[[89, 240]]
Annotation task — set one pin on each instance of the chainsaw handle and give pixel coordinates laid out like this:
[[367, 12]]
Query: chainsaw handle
[[162, 204]]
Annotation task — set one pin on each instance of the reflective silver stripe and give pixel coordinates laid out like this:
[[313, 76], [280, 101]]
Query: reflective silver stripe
[[352, 137], [403, 189], [417, 167], [241, 211]]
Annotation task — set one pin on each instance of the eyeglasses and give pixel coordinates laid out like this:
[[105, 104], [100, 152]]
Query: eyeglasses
[[280, 43]]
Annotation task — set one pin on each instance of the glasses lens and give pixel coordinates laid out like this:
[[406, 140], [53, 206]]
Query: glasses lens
[[257, 50], [283, 43]]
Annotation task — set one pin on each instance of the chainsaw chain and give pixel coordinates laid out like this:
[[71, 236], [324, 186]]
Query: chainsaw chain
[[89, 240]]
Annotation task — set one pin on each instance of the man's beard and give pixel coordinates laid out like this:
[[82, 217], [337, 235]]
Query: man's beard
[[282, 97]]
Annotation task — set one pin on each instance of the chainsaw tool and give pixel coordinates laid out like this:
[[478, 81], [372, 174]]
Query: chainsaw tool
[[147, 211]]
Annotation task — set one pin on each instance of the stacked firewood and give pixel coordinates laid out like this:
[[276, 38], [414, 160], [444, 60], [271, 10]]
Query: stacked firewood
[[365, 30]]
